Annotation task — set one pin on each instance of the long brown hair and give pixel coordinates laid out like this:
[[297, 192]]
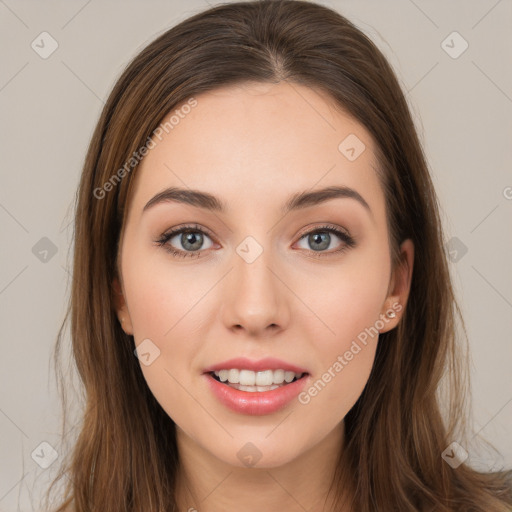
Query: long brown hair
[[124, 457]]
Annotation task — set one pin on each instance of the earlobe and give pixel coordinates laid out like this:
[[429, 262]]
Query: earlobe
[[121, 308]]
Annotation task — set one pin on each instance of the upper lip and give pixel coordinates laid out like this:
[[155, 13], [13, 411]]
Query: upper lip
[[242, 363]]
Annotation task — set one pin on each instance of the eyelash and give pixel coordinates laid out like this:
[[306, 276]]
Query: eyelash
[[348, 240]]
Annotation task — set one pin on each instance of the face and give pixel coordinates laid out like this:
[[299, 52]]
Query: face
[[309, 285]]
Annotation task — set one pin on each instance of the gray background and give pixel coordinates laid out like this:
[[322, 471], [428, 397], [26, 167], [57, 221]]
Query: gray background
[[462, 107]]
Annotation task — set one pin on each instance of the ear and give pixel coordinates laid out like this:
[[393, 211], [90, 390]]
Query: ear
[[399, 287], [121, 308]]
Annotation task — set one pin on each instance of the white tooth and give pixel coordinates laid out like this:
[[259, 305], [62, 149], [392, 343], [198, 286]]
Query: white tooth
[[267, 388], [247, 378], [264, 378], [251, 389], [233, 376], [278, 377], [289, 376]]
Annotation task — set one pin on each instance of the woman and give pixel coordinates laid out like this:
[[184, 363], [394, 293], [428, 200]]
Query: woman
[[261, 309]]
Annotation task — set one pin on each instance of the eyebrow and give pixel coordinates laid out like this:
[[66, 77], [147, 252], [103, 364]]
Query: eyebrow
[[297, 201]]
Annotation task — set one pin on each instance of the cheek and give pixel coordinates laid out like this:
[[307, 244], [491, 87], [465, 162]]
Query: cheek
[[163, 297], [335, 390], [166, 303], [345, 298], [345, 340], [344, 361]]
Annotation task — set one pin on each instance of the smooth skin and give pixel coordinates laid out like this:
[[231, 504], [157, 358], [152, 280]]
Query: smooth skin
[[253, 146]]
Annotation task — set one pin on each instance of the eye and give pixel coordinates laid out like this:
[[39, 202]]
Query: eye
[[189, 238], [321, 238]]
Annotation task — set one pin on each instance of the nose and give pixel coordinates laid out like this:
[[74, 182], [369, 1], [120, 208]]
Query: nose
[[255, 297]]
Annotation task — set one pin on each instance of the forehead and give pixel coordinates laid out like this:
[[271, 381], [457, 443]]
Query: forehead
[[256, 144]]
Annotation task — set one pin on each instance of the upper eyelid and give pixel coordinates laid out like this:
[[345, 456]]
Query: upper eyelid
[[187, 227], [327, 226]]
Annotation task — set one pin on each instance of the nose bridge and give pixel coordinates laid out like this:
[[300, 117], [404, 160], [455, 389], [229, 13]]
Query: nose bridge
[[255, 295]]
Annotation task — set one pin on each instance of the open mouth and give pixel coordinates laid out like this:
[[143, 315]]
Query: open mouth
[[256, 388]]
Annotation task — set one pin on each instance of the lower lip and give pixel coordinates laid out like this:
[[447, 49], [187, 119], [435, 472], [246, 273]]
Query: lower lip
[[256, 403]]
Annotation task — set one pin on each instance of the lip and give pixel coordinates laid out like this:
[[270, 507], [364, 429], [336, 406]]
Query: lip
[[256, 403], [268, 363]]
